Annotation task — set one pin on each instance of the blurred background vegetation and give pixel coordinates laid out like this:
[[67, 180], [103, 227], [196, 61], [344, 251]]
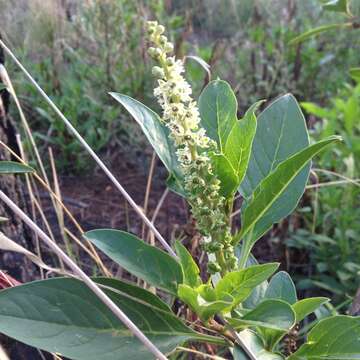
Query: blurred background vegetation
[[80, 50]]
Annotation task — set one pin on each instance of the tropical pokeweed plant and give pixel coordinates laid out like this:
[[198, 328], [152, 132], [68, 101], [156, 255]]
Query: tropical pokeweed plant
[[243, 308]]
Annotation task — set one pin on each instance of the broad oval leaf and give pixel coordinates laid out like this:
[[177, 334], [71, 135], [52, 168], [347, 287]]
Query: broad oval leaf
[[281, 132], [335, 338], [270, 314], [281, 287], [13, 167], [224, 171], [239, 284], [256, 346], [258, 292], [305, 307], [129, 289], [203, 308], [274, 185], [64, 316], [218, 108], [239, 142], [190, 269], [154, 130], [142, 260]]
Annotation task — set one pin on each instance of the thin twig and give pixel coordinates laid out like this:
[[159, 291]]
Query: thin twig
[[81, 274], [6, 80], [200, 353], [91, 152], [328, 172], [32, 198], [334, 183], [95, 256], [148, 189], [316, 202], [156, 212], [57, 208]]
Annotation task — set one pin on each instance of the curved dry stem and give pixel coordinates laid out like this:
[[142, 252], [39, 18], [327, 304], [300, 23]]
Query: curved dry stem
[[91, 152], [86, 279], [95, 255]]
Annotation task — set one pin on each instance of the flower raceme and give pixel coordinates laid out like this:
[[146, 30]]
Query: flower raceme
[[181, 116]]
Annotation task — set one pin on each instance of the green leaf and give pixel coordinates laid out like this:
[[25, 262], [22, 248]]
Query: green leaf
[[64, 316], [142, 260], [190, 269], [129, 289], [316, 110], [255, 344], [281, 287], [226, 174], [203, 308], [239, 284], [258, 292], [12, 167], [239, 142], [281, 132], [270, 314], [305, 307], [336, 5], [154, 130], [218, 107], [316, 31], [355, 73], [274, 185], [334, 338]]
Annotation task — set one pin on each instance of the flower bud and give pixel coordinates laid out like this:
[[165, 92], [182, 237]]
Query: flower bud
[[169, 47], [151, 24], [158, 72], [157, 53], [163, 40], [152, 51], [160, 29], [170, 61], [151, 31]]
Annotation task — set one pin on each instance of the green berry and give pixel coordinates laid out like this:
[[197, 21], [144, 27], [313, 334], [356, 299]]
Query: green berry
[[213, 267]]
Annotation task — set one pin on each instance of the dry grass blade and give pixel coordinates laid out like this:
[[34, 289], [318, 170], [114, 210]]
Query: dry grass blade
[[57, 207], [148, 189], [156, 212], [197, 352], [7, 244], [355, 182], [94, 255], [90, 151]]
